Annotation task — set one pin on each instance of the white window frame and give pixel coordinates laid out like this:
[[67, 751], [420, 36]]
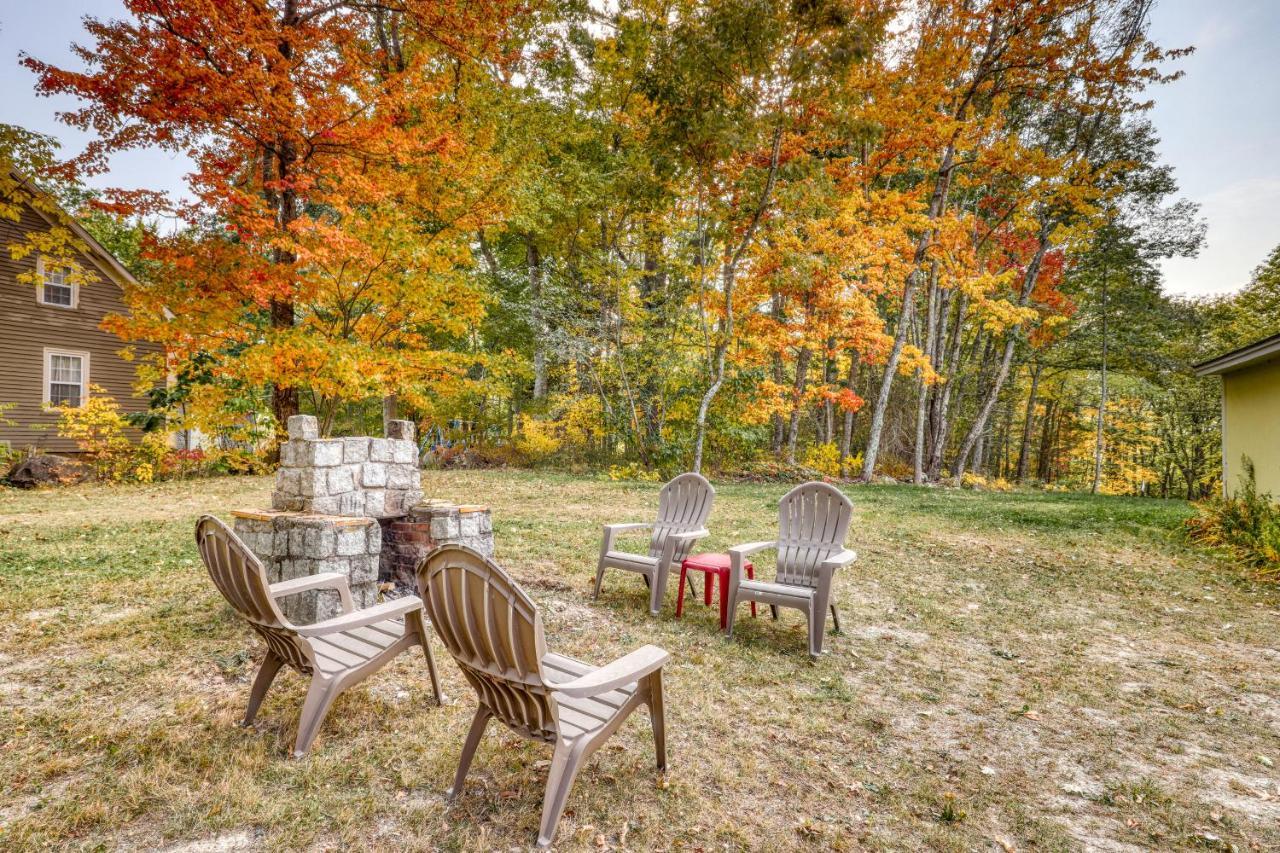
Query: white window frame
[[75, 289], [49, 352]]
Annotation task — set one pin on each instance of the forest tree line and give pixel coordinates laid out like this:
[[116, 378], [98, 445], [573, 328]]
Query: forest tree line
[[914, 238]]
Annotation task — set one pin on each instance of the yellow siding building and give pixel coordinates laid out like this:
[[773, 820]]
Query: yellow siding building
[[1250, 412]]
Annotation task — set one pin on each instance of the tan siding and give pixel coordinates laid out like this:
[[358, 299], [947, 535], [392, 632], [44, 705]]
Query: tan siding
[[27, 327]]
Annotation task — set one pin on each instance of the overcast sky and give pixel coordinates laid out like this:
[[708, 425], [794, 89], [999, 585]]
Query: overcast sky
[[1220, 124]]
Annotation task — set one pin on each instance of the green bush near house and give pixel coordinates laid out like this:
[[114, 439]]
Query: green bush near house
[[1246, 524]]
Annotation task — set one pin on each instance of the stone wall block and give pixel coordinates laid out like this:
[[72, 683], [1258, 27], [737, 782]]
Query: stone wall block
[[313, 482], [323, 506], [323, 453], [351, 541], [289, 452], [341, 479], [375, 503], [289, 481], [365, 594], [351, 504], [402, 430], [287, 503], [303, 426], [364, 569], [400, 477], [355, 450], [404, 452], [373, 539], [373, 475], [291, 568], [319, 542], [380, 450], [327, 604], [469, 526], [280, 542], [444, 527]]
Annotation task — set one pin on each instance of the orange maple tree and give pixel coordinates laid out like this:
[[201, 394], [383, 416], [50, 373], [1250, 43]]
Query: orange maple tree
[[337, 170]]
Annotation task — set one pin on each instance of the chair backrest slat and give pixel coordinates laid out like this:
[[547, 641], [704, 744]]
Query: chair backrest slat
[[239, 576], [684, 504], [494, 631], [813, 521]]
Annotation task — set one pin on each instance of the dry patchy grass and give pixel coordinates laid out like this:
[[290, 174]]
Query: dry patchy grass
[[1017, 672]]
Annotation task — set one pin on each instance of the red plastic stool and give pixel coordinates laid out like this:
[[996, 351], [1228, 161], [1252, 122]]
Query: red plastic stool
[[712, 566]]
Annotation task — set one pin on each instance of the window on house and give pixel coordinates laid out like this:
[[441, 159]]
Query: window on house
[[54, 287], [67, 375]]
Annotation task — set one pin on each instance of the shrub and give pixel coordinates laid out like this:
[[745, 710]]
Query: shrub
[[100, 431], [983, 484], [98, 428], [538, 438], [1247, 525], [634, 471], [824, 458]]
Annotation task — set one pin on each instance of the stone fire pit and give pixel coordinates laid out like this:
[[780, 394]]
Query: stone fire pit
[[352, 505]]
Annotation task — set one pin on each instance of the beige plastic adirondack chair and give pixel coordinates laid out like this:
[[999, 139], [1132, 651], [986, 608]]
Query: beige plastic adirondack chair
[[336, 653], [683, 507], [813, 520], [494, 631]]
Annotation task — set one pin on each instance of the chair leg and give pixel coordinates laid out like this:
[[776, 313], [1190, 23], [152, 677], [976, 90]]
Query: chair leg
[[708, 586], [657, 715], [431, 666], [731, 610], [564, 769], [262, 681], [320, 696], [684, 578], [751, 575], [773, 611], [835, 619], [599, 577], [469, 746], [724, 594], [817, 625], [657, 590]]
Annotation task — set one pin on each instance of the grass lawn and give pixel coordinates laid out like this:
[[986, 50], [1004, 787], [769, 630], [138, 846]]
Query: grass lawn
[[1024, 671]]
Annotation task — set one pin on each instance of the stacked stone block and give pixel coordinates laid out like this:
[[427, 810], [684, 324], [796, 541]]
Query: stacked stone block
[[352, 506], [359, 477], [407, 540], [293, 545]]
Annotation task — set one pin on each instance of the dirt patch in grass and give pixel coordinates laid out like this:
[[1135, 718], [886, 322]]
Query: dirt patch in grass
[[1016, 672]]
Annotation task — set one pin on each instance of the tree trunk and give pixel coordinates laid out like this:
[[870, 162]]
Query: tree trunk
[[886, 381], [1044, 460], [1011, 339], [1024, 449], [779, 377], [533, 262], [793, 428], [846, 435], [729, 271], [940, 408], [937, 203], [829, 379], [922, 389], [1100, 437]]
